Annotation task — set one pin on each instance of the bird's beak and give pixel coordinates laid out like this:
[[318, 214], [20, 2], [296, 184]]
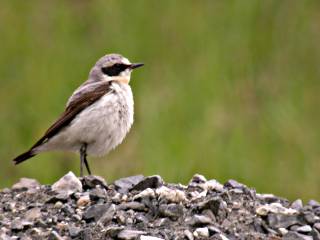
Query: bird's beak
[[136, 65]]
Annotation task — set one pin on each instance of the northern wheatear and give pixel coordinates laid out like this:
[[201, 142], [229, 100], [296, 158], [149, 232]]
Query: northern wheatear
[[98, 114]]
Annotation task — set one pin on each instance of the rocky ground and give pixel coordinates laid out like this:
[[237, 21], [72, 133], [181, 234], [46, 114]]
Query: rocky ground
[[146, 208]]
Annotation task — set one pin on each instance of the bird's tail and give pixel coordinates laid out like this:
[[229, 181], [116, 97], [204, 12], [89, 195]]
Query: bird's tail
[[24, 156]]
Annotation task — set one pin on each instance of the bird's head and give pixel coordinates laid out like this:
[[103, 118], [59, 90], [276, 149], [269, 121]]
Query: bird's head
[[113, 67]]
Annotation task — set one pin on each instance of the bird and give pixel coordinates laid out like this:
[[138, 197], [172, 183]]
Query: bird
[[97, 116]]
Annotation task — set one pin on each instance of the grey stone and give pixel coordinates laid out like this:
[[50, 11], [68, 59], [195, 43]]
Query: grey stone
[[108, 215], [282, 221], [216, 205], [296, 236], [26, 183], [148, 182], [74, 231], [127, 234], [171, 210], [33, 214], [198, 220], [314, 203], [68, 184], [124, 185], [97, 193], [317, 226], [132, 205], [95, 212]]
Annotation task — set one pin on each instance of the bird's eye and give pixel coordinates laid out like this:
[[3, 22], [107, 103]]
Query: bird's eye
[[115, 69]]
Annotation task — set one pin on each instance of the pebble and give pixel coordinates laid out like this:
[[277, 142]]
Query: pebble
[[198, 220], [147, 193], [172, 195], [188, 234], [83, 200], [234, 184], [98, 193], [148, 182], [304, 229], [297, 204], [95, 212], [68, 184], [26, 183], [130, 234], [132, 205], [144, 237], [107, 215], [317, 226], [204, 209], [124, 185], [314, 203], [171, 210], [93, 181], [296, 236], [201, 232], [274, 208], [282, 221], [74, 231]]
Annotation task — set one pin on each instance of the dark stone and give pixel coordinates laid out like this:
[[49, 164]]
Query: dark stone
[[124, 185], [310, 217], [95, 212], [62, 197], [148, 182], [85, 234], [216, 205], [97, 193], [282, 221], [234, 184], [90, 182]]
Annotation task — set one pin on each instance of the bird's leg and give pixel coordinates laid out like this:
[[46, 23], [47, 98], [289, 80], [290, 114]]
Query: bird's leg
[[83, 159]]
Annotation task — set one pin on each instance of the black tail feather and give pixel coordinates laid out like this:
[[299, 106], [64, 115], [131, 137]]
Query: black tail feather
[[24, 156]]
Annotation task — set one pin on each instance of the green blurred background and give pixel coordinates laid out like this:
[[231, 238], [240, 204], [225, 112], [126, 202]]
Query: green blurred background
[[230, 89]]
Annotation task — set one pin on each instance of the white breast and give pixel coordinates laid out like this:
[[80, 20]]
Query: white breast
[[103, 125]]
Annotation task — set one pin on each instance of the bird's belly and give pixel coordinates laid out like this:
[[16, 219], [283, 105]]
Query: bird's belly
[[102, 126]]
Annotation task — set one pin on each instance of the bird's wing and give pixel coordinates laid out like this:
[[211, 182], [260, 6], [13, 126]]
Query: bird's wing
[[74, 107]]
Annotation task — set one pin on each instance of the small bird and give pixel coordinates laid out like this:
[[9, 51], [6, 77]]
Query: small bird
[[98, 115]]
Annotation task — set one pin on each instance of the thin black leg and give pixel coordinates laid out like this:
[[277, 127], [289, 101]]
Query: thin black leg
[[83, 159]]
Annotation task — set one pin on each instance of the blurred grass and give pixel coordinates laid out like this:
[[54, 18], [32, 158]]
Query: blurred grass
[[230, 88]]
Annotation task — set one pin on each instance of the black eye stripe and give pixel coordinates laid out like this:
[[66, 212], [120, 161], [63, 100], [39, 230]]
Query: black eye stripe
[[115, 69]]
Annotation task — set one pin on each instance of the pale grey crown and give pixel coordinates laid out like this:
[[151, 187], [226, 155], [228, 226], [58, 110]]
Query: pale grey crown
[[96, 73]]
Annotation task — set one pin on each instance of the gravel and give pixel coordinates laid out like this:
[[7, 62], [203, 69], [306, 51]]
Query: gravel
[[147, 208]]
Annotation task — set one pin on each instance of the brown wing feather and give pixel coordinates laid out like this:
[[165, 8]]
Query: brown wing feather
[[72, 110]]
